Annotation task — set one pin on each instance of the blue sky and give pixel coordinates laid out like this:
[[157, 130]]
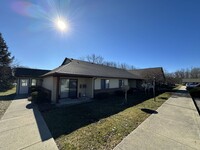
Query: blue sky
[[143, 33]]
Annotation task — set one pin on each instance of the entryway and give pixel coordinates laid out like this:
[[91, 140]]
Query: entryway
[[23, 87], [68, 88]]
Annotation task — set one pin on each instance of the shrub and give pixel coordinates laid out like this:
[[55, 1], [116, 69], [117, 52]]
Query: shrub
[[132, 90], [102, 95], [34, 96], [41, 95], [33, 89], [119, 93]]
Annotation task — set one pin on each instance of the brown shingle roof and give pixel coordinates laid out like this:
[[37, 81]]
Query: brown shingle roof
[[83, 68], [150, 73], [29, 72]]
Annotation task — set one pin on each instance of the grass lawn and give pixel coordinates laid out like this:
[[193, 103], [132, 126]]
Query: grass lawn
[[100, 124], [5, 100]]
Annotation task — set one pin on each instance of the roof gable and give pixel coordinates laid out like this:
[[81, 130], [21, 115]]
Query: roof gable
[[66, 61]]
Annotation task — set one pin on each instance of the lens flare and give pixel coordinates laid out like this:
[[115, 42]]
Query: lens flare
[[48, 14]]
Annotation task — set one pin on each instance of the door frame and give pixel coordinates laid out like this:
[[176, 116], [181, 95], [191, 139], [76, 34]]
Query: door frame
[[20, 85]]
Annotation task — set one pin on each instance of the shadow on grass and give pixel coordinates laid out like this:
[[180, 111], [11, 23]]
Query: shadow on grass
[[164, 98], [42, 128], [149, 111], [7, 97], [65, 120]]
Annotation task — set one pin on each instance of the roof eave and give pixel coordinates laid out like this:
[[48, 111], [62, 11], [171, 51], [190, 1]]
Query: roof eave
[[91, 76]]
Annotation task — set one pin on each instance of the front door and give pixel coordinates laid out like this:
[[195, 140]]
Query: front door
[[68, 88], [23, 87]]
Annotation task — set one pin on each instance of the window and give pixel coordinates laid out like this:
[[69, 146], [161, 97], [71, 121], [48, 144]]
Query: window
[[33, 82], [24, 82], [121, 83], [64, 88], [105, 84]]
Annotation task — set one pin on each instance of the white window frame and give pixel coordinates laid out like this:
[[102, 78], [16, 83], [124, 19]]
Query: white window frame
[[24, 82]]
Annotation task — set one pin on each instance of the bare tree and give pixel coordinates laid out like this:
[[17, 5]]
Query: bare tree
[[171, 79], [195, 72], [110, 63], [123, 66], [95, 59], [174, 77], [16, 64], [132, 67], [82, 58], [187, 73], [180, 73]]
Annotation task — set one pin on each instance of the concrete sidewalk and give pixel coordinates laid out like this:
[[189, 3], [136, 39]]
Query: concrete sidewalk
[[22, 127], [175, 126]]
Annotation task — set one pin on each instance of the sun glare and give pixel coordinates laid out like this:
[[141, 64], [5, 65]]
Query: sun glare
[[61, 25], [50, 13]]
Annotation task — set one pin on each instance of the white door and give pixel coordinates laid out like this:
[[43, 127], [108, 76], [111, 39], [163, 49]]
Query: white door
[[23, 87]]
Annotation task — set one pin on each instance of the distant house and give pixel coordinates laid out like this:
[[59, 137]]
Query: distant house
[[148, 74], [191, 80], [27, 77], [75, 78]]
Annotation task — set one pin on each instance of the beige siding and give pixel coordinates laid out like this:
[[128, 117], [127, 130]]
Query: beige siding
[[125, 81], [48, 83], [114, 83], [89, 89], [97, 84], [85, 91]]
